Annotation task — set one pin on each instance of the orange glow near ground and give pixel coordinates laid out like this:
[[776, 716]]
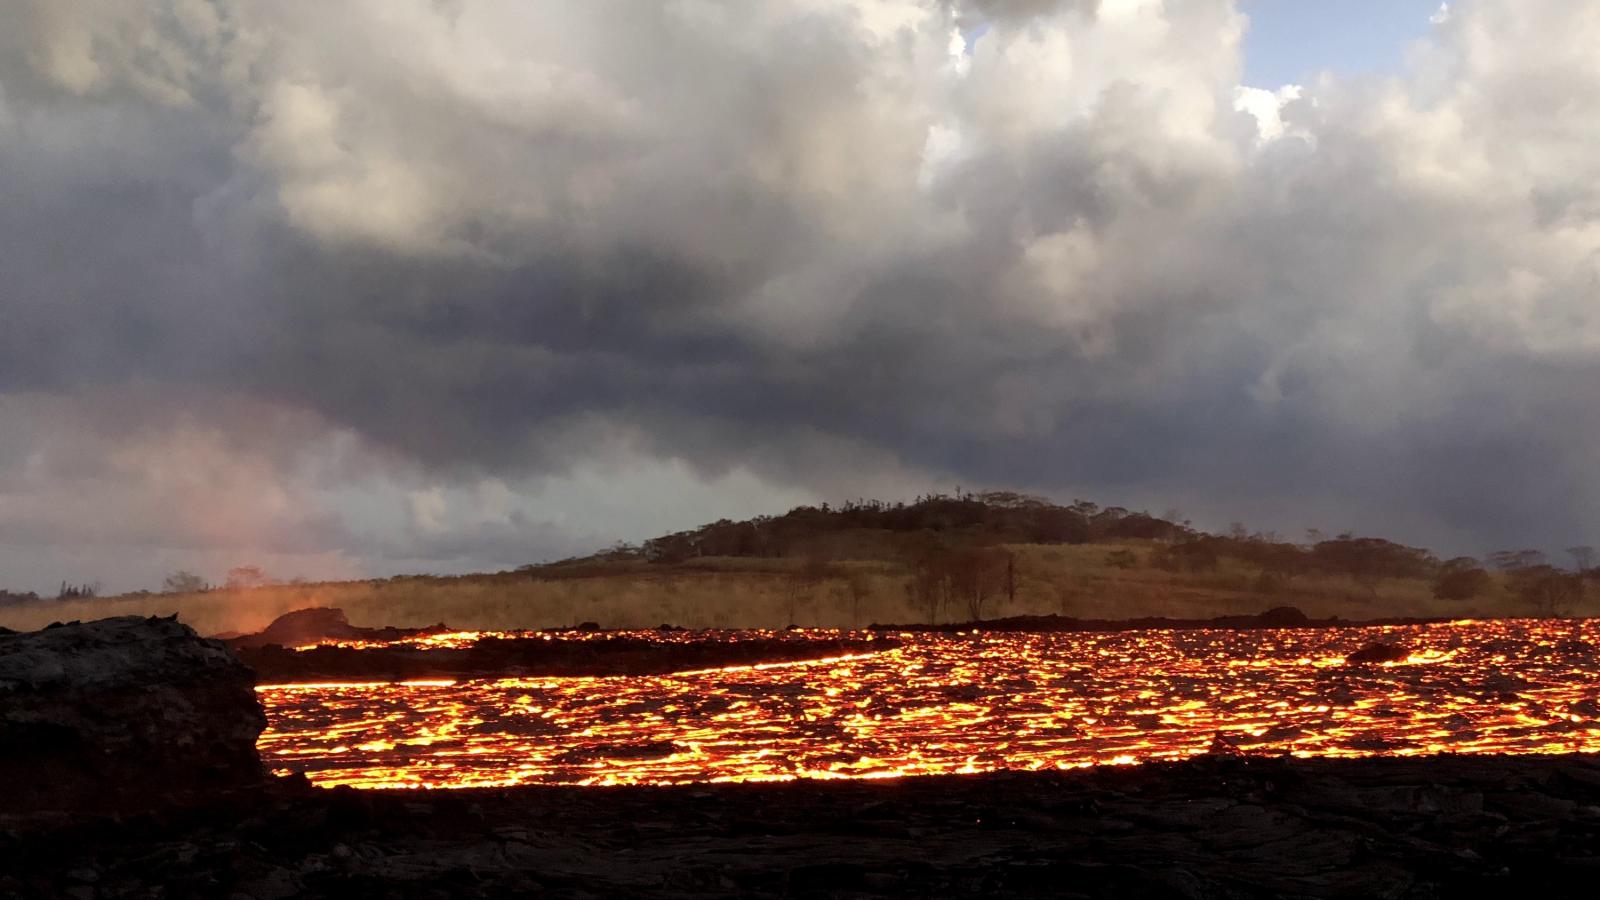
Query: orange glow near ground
[[455, 640], [961, 704]]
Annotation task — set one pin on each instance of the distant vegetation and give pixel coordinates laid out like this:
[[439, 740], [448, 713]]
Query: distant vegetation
[[85, 591], [939, 558], [955, 550], [183, 582], [870, 529]]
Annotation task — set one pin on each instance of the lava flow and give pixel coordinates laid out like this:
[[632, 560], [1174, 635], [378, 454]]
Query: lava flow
[[964, 703]]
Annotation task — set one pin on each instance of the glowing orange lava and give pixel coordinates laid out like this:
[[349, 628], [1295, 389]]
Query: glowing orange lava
[[962, 703]]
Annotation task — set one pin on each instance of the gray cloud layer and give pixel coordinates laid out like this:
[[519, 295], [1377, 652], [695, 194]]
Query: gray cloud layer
[[382, 285]]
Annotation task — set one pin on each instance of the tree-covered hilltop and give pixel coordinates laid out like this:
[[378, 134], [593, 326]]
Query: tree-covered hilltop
[[954, 546], [937, 559], [866, 529]]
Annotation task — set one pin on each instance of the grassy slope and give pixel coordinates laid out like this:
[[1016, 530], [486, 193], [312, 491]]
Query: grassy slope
[[725, 592]]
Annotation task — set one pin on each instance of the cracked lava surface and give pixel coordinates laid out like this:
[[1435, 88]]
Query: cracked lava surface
[[961, 703]]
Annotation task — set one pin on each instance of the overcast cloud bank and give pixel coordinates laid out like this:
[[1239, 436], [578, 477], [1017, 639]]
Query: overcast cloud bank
[[372, 287]]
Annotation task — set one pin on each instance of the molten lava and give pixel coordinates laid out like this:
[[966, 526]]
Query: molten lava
[[962, 703]]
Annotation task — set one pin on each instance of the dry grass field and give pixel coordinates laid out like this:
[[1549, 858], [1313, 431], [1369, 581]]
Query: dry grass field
[[1103, 580]]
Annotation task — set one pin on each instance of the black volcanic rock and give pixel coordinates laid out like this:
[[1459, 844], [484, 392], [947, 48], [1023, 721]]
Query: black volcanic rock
[[321, 623], [1283, 617], [125, 711], [1219, 826], [1378, 652]]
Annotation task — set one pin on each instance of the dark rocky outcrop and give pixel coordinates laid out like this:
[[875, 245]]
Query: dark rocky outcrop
[[123, 712], [1379, 652], [321, 623], [1216, 827], [1283, 617]]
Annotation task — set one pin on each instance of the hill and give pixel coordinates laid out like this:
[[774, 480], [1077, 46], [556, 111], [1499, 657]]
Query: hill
[[937, 559]]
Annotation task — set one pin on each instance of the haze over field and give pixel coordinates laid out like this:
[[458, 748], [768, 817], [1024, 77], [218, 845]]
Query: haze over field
[[374, 287]]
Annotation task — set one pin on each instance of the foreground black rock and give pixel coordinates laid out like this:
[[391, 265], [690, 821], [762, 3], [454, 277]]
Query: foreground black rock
[[123, 712], [1214, 827]]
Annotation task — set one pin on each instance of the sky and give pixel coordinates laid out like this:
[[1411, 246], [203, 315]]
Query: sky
[[1294, 42], [397, 286]]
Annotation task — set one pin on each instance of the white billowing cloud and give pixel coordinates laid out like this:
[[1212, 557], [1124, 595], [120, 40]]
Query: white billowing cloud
[[1266, 107], [1495, 146], [508, 123], [788, 250]]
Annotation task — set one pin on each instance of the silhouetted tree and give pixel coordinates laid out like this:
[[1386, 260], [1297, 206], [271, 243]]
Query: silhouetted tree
[[1548, 590], [183, 582], [17, 597], [1582, 556], [1282, 560], [929, 585], [247, 577], [1460, 579], [859, 588], [992, 517], [78, 591], [976, 576], [802, 583], [1509, 560], [1370, 560], [1199, 555], [1137, 526]]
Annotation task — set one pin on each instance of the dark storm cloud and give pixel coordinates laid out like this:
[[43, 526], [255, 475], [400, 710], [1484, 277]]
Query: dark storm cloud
[[822, 243]]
